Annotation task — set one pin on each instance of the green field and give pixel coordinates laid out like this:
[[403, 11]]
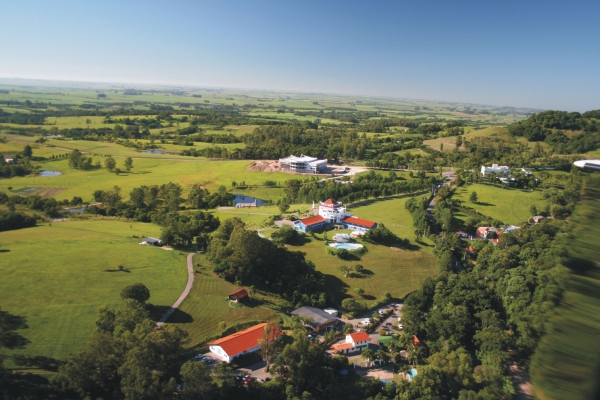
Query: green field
[[207, 305], [56, 277], [510, 206]]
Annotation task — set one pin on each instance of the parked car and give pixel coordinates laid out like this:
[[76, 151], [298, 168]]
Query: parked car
[[247, 381], [381, 312], [207, 359], [400, 326]]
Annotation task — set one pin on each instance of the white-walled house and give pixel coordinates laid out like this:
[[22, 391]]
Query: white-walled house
[[495, 169], [238, 344], [354, 342]]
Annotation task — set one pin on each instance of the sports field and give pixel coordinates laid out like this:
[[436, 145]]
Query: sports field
[[510, 206], [58, 275]]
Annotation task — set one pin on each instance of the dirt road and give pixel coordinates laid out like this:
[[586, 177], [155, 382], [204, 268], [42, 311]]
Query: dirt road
[[186, 291]]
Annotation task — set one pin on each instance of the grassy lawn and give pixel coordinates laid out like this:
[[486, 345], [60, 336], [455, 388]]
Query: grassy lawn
[[207, 305], [210, 174], [56, 277], [510, 206], [386, 270]]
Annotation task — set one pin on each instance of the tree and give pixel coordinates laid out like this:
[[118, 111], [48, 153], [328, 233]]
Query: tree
[[128, 164], [270, 343], [27, 151], [222, 325], [367, 354], [473, 197], [359, 269], [533, 210], [283, 207], [359, 291], [345, 270], [291, 189], [137, 291], [196, 379], [110, 163]]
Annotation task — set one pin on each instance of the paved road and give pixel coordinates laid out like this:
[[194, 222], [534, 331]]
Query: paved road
[[186, 291]]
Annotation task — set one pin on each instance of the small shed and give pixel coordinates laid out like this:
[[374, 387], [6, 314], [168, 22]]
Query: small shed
[[152, 241], [538, 218], [238, 295]]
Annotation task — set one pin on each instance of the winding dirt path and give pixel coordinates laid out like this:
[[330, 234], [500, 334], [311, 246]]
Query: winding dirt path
[[186, 291]]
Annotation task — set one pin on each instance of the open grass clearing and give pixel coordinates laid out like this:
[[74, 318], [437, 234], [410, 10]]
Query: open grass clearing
[[510, 206], [207, 305], [56, 276]]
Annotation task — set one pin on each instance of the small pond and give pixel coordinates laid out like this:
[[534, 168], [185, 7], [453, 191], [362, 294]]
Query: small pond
[[75, 210], [25, 190], [50, 173], [243, 199], [156, 151]]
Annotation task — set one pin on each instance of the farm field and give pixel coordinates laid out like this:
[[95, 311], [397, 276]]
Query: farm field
[[206, 306], [510, 206], [56, 276], [147, 171]]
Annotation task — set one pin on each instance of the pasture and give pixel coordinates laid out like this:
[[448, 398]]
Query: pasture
[[207, 305], [58, 275], [510, 206]]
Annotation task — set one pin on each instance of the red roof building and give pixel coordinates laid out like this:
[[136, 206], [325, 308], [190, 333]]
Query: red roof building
[[310, 223], [354, 342], [239, 343], [238, 295], [355, 222], [359, 337]]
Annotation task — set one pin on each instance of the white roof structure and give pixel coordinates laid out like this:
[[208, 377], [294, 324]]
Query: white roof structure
[[302, 158], [495, 168]]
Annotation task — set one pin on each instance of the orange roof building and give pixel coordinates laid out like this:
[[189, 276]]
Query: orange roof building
[[238, 343], [359, 223], [238, 295], [354, 342], [310, 223]]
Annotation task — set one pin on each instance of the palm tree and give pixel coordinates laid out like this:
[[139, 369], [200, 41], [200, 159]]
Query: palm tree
[[367, 354]]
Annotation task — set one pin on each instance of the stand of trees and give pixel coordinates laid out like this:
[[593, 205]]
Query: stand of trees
[[241, 255]]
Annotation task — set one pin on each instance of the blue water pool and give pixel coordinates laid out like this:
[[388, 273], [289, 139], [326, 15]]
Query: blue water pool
[[155, 151], [412, 373], [50, 173], [243, 199], [347, 246]]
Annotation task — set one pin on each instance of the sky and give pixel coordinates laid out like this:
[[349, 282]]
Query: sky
[[527, 53]]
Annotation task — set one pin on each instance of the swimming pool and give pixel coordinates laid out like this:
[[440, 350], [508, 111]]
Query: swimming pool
[[346, 246], [412, 373], [50, 173]]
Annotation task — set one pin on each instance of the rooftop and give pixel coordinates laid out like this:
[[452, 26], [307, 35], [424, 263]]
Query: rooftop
[[302, 158], [360, 222], [317, 219], [360, 337], [342, 346], [239, 294], [318, 316], [241, 341]]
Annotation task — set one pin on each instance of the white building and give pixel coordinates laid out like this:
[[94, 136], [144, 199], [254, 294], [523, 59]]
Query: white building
[[239, 343], [333, 211], [354, 342], [303, 164], [495, 169]]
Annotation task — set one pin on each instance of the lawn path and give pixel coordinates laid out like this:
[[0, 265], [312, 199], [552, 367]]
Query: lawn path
[[186, 291]]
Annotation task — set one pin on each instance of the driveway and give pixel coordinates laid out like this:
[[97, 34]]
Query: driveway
[[392, 320], [186, 291]]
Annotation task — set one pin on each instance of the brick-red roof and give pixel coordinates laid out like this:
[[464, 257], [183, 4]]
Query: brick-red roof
[[342, 346], [360, 337], [330, 202], [241, 341], [360, 222], [317, 219], [239, 294]]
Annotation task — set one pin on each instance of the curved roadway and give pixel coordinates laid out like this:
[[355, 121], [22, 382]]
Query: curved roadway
[[186, 291]]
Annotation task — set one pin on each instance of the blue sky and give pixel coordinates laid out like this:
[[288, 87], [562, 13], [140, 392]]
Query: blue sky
[[541, 54]]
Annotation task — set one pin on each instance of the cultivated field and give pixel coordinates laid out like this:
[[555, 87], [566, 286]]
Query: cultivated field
[[58, 275]]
